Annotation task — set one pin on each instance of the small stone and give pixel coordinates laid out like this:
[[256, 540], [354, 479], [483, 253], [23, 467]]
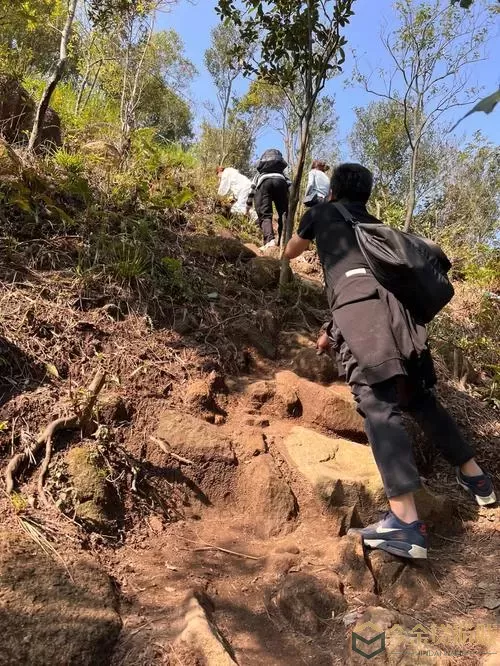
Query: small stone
[[288, 548], [491, 602], [155, 524], [219, 419], [350, 618], [113, 409]]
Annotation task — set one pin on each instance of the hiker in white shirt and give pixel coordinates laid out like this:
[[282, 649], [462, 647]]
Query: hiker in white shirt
[[234, 183], [318, 184]]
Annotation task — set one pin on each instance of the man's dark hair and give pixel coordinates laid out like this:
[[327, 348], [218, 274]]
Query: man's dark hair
[[351, 181]]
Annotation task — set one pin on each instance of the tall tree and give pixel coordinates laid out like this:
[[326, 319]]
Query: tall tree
[[379, 140], [55, 77], [276, 111], [239, 143], [298, 41], [146, 72], [465, 213], [222, 63], [432, 50]]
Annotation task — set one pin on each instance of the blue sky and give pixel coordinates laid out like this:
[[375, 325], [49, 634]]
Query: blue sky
[[194, 21]]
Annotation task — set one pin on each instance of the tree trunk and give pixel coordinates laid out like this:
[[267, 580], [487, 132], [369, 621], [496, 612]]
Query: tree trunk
[[86, 77], [415, 149], [54, 79], [128, 125], [410, 201], [294, 197], [92, 87], [81, 90], [223, 155]]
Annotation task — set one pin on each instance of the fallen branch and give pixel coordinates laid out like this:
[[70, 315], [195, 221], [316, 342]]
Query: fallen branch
[[208, 546], [225, 550], [163, 446], [46, 437]]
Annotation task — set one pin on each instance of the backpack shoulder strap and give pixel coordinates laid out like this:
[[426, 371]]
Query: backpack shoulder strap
[[345, 213]]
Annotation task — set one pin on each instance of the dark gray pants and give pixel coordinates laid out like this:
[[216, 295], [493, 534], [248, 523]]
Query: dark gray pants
[[271, 191], [381, 405]]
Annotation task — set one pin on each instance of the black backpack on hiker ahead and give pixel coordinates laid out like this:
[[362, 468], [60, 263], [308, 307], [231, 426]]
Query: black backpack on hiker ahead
[[413, 268], [272, 161]]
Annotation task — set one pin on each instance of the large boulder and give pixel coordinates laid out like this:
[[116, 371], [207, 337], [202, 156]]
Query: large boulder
[[17, 113], [50, 614], [264, 272], [267, 500], [213, 454], [51, 135], [327, 407], [16, 106], [313, 293], [344, 474]]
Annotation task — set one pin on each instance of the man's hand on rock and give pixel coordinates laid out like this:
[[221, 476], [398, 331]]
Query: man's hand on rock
[[323, 343]]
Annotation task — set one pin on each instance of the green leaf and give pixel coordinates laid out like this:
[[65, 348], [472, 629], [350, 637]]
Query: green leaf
[[52, 370], [486, 105]]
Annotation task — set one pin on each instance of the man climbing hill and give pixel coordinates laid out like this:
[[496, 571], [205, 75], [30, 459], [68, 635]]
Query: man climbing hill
[[234, 183], [270, 186], [387, 363]]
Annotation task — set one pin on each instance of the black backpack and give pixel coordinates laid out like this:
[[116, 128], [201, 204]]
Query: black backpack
[[272, 161], [413, 268]]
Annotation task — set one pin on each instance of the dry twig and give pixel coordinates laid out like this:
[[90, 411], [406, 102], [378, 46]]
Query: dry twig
[[208, 546], [163, 446]]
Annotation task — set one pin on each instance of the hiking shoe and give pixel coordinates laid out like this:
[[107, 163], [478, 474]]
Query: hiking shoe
[[271, 243], [392, 535], [480, 487]]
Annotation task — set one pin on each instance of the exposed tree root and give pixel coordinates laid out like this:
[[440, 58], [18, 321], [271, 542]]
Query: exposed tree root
[[46, 437]]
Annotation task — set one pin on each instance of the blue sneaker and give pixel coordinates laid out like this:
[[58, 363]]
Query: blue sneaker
[[392, 535], [480, 487]]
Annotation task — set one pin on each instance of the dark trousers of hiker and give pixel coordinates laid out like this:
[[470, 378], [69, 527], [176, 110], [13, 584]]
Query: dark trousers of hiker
[[382, 405], [271, 191]]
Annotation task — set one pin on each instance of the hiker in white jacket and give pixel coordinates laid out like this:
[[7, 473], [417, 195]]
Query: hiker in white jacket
[[234, 183], [318, 184]]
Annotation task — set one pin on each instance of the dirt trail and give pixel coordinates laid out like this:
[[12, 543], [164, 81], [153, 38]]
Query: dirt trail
[[234, 548]]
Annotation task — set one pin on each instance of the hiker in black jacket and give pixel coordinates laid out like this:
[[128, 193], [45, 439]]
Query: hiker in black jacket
[[270, 186], [385, 357]]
